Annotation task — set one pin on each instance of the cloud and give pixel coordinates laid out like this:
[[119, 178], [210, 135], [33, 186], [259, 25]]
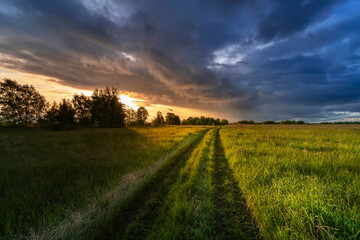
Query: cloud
[[252, 59], [287, 17]]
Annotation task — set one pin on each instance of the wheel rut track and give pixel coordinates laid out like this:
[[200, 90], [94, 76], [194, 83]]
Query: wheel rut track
[[146, 203], [233, 219]]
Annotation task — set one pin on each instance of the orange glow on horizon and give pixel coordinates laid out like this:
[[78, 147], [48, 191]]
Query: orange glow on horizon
[[53, 90]]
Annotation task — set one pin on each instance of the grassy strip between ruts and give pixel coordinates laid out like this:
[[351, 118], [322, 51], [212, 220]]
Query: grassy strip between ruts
[[301, 182], [83, 224], [188, 210]]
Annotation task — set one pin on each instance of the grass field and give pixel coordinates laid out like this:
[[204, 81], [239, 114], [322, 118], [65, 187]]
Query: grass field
[[46, 175], [233, 182], [299, 182]]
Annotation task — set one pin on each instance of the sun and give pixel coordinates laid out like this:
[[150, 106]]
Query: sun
[[128, 101]]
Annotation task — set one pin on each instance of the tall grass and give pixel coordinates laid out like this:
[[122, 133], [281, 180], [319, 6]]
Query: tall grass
[[45, 175], [300, 182]]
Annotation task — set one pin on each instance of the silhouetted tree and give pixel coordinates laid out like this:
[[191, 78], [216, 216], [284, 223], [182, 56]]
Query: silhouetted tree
[[203, 121], [246, 122], [131, 117], [66, 115], [191, 121], [52, 114], [159, 119], [106, 108], [224, 122], [217, 121], [185, 122], [287, 122], [61, 115], [82, 105], [172, 119], [20, 104], [142, 114]]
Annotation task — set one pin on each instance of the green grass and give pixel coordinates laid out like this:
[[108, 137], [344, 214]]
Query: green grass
[[47, 175], [300, 182], [233, 219], [286, 182], [188, 210], [202, 203]]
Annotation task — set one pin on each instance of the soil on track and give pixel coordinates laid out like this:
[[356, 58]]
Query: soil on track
[[232, 217], [135, 219]]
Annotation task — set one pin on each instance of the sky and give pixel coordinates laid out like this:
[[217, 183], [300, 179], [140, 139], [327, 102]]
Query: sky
[[244, 59]]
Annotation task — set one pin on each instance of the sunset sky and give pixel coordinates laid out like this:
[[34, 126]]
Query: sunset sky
[[245, 59]]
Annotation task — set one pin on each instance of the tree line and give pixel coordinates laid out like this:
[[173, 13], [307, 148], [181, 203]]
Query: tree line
[[271, 122], [23, 105]]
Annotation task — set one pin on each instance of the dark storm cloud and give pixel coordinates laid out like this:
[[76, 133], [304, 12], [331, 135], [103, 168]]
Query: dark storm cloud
[[253, 59], [287, 17]]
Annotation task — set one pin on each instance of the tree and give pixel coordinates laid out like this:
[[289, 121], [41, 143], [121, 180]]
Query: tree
[[82, 106], [142, 115], [52, 114], [287, 122], [159, 120], [224, 122], [172, 119], [131, 116], [20, 104], [217, 121], [185, 122], [246, 122], [66, 115], [106, 108], [61, 115]]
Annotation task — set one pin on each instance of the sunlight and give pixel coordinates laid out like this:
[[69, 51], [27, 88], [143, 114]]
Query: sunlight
[[129, 101]]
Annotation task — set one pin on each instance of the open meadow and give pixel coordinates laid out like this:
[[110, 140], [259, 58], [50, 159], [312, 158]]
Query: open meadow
[[300, 182], [47, 175], [181, 182]]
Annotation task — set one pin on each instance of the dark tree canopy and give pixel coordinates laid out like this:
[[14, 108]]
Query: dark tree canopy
[[106, 109], [131, 117], [204, 121], [292, 122], [82, 106], [224, 122], [172, 119], [61, 115], [20, 104], [246, 122], [159, 119], [142, 115]]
